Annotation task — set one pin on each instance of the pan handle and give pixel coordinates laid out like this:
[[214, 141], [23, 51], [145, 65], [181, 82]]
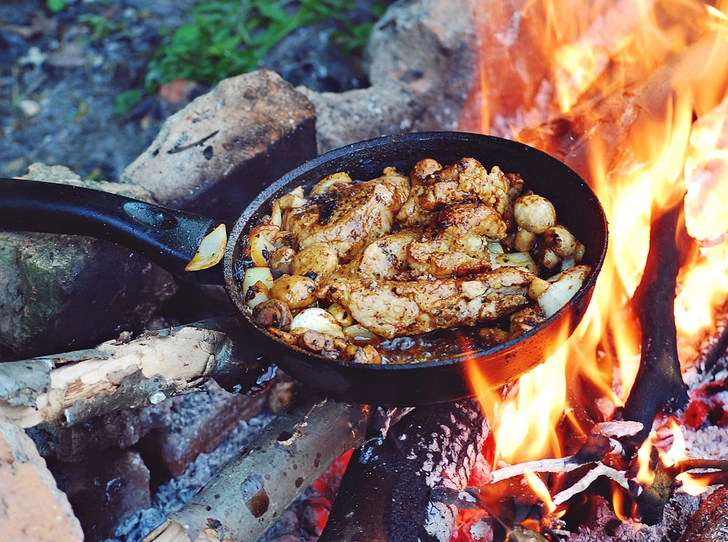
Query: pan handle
[[168, 237]]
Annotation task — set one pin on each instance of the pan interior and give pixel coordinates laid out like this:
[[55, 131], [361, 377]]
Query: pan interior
[[577, 207]]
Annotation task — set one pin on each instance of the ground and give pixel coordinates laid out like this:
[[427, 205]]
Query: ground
[[61, 74]]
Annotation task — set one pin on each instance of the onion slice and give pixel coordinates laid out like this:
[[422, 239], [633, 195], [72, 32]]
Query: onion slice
[[210, 250]]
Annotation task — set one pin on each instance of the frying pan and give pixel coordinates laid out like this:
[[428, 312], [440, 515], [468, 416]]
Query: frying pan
[[170, 238]]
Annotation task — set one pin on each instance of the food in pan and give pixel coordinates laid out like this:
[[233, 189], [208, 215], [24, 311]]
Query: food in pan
[[355, 266]]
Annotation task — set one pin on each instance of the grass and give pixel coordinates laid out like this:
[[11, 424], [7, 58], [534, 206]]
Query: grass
[[232, 37], [229, 37]]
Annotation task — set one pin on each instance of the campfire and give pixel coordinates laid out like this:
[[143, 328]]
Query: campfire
[[601, 442], [633, 97]]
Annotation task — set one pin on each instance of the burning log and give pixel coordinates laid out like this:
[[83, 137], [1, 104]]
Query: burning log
[[386, 493], [710, 522], [68, 388], [251, 491], [659, 384]]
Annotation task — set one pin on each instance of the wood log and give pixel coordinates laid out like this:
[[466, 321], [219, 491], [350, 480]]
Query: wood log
[[68, 388], [251, 491], [385, 493], [659, 384]]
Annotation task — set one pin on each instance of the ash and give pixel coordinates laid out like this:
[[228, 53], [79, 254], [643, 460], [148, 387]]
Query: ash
[[172, 495]]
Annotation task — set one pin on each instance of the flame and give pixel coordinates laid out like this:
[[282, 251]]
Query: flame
[[692, 485], [540, 490], [645, 474], [633, 95]]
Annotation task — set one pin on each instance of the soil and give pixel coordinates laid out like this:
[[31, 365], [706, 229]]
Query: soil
[[60, 76]]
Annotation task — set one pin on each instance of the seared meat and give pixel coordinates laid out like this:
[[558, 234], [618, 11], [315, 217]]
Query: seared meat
[[349, 216], [393, 308], [464, 181], [387, 257], [457, 244]]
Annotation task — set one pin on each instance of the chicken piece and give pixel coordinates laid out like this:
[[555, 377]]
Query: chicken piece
[[392, 309], [463, 181], [387, 257], [423, 172], [349, 216], [457, 244], [412, 215], [472, 178]]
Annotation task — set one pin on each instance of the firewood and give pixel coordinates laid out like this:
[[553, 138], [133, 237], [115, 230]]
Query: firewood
[[386, 491], [659, 384], [68, 388], [269, 473]]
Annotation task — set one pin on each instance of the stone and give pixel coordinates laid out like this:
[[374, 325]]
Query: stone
[[61, 292], [421, 67], [216, 154], [31, 505], [104, 490]]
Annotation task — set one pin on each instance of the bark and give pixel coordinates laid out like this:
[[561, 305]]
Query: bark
[[69, 388], [386, 491], [710, 522], [243, 500], [659, 384]]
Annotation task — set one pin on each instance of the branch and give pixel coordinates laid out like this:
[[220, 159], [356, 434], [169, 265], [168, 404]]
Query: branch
[[69, 388], [254, 489], [659, 384]]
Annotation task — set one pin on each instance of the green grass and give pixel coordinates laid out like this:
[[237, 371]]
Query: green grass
[[231, 37]]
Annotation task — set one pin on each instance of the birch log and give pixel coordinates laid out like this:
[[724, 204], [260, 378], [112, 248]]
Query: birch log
[[68, 388], [251, 491]]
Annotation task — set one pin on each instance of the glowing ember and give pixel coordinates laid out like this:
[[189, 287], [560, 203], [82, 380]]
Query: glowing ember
[[614, 90]]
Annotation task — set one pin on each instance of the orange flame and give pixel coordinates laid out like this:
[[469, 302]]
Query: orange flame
[[612, 88], [540, 490]]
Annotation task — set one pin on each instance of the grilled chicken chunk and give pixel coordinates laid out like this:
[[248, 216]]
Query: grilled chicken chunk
[[394, 308], [387, 257], [457, 242], [464, 181], [349, 216]]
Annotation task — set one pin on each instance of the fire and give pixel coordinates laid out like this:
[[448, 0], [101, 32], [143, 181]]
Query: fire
[[634, 97]]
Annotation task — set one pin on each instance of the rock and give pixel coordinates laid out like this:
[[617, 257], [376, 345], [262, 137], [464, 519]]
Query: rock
[[31, 506], [421, 68], [196, 423], [104, 490], [60, 292], [215, 155]]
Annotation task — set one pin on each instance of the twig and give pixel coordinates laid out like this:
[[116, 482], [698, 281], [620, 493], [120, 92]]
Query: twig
[[175, 150], [563, 464], [600, 470], [594, 449], [692, 464]]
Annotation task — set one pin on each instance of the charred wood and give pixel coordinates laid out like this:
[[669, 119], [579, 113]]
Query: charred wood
[[386, 493], [710, 522], [251, 491], [659, 384]]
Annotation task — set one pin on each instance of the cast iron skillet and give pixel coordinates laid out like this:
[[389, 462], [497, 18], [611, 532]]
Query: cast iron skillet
[[170, 238]]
